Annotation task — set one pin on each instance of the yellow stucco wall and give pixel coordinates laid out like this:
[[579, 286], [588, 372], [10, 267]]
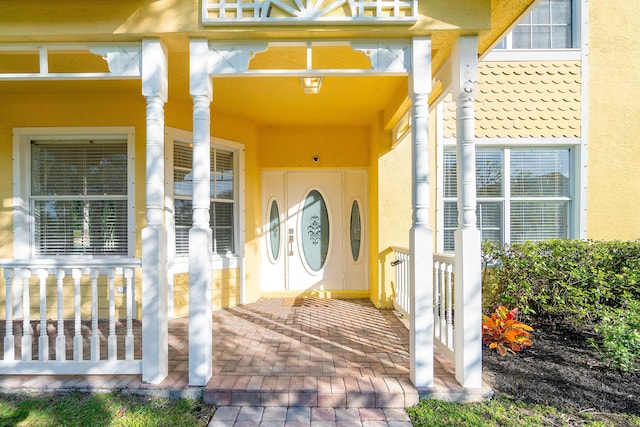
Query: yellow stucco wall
[[225, 290], [613, 200], [394, 213], [394, 203], [295, 147]]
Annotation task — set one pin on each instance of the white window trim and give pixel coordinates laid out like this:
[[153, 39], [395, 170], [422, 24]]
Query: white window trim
[[576, 172], [22, 220], [523, 55], [179, 265]]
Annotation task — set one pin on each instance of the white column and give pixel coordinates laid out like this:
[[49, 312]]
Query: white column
[[468, 284], [155, 337], [421, 235], [200, 313]]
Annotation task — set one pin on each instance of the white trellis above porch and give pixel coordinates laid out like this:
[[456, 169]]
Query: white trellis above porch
[[309, 12]]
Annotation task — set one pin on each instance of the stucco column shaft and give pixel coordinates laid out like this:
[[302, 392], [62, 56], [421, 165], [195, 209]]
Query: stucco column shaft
[[421, 235], [200, 239], [155, 336], [468, 283]]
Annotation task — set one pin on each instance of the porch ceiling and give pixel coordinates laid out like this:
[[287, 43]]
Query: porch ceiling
[[352, 100]]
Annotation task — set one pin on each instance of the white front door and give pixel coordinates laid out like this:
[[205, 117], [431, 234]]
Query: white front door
[[314, 233]]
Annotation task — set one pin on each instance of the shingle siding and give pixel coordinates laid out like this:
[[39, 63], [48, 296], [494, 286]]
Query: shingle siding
[[524, 100]]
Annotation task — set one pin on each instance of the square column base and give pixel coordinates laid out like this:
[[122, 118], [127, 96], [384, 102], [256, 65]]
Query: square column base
[[468, 308], [421, 311]]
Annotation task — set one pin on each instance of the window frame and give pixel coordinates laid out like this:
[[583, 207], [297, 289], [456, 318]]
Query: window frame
[[574, 213], [180, 264], [24, 222]]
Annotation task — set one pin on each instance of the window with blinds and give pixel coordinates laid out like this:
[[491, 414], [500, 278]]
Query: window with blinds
[[540, 194], [533, 202], [222, 193], [78, 198]]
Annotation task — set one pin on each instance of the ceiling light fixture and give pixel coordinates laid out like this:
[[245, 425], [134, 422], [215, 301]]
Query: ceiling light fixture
[[311, 85]]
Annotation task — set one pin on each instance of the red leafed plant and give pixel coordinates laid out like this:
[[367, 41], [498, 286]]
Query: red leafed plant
[[504, 333]]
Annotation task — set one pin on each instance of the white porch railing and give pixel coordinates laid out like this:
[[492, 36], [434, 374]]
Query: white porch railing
[[443, 267], [443, 282], [46, 284], [402, 297]]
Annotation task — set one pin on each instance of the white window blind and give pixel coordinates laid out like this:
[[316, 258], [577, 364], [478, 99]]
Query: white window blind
[[540, 173], [78, 198], [182, 188], [540, 193], [222, 193], [534, 203]]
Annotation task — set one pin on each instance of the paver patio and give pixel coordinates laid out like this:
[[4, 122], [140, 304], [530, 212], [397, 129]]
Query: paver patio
[[285, 352]]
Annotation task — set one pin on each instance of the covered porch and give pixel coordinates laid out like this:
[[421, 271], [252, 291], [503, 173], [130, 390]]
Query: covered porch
[[237, 76], [282, 352]]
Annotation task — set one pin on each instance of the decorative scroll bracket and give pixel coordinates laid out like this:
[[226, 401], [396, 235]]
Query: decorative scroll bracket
[[232, 58], [387, 57], [122, 61]]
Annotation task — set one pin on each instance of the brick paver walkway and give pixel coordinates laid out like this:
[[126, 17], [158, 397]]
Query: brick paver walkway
[[333, 357], [311, 352], [228, 416]]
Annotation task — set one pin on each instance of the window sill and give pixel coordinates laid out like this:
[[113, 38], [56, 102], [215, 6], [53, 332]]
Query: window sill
[[519, 55]]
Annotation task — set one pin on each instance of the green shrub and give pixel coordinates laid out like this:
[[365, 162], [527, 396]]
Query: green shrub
[[619, 329], [566, 279], [591, 284]]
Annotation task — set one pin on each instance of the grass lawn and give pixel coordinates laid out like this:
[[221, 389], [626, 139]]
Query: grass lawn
[[504, 411], [116, 409], [93, 410]]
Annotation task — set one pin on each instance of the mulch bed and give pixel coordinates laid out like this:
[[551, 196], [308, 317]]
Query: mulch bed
[[563, 370]]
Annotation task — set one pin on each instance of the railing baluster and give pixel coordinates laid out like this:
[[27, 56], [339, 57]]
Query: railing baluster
[[407, 281], [113, 339], [77, 336], [61, 341], [442, 266], [436, 300], [449, 284], [129, 340], [95, 332], [27, 343], [43, 339], [17, 294], [9, 339]]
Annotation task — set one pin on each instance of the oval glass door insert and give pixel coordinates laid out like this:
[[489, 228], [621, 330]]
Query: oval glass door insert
[[274, 230], [355, 230], [314, 230]]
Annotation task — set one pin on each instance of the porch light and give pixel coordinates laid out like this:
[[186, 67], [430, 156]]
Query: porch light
[[311, 85]]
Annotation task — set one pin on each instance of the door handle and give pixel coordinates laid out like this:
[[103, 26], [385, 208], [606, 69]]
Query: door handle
[[290, 242]]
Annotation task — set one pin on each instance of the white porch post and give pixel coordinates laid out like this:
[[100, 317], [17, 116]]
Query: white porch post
[[200, 312], [155, 336], [421, 235], [468, 284]]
